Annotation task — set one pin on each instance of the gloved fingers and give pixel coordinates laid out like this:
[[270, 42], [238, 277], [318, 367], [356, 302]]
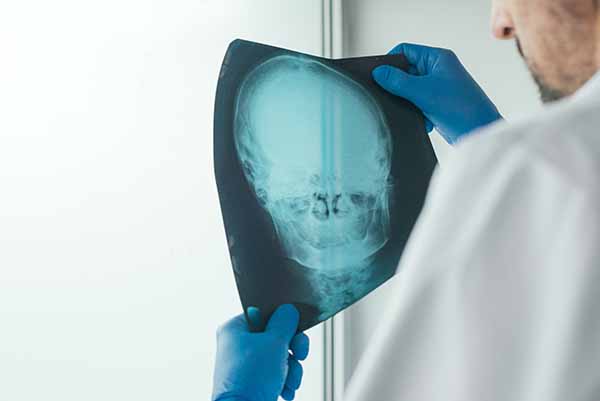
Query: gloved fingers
[[300, 346], [288, 394], [284, 322], [294, 376], [233, 326], [392, 79], [423, 58], [413, 70], [400, 83]]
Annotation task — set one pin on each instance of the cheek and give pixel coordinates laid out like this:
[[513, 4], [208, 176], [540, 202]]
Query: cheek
[[557, 37]]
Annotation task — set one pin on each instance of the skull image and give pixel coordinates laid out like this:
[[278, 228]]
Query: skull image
[[316, 150]]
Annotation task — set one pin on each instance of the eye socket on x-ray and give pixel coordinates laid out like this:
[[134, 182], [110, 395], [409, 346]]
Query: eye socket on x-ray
[[298, 205], [363, 200], [316, 150]]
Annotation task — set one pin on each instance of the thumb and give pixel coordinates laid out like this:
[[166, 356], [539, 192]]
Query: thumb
[[255, 320], [399, 83], [284, 322]]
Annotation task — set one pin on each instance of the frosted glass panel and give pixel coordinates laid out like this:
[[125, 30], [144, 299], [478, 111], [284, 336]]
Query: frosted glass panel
[[114, 271]]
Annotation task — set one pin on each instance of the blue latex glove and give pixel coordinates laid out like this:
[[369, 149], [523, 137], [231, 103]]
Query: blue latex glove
[[258, 366], [439, 85]]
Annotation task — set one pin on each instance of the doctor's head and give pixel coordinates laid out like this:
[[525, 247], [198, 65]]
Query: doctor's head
[[316, 151], [557, 38]]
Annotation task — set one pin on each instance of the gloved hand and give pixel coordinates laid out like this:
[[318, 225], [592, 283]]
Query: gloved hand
[[258, 366], [439, 85]]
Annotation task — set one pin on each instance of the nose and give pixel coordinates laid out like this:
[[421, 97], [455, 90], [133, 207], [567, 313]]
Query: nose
[[503, 27], [324, 205]]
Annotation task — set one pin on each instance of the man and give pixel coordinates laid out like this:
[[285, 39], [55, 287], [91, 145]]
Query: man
[[501, 277]]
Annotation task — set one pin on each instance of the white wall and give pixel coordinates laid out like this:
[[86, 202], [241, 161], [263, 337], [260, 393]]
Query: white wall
[[114, 271], [463, 25]]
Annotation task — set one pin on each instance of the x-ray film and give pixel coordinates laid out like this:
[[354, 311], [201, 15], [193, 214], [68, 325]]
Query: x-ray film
[[321, 177]]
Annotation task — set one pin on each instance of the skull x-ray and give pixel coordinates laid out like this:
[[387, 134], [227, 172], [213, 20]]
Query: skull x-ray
[[321, 176]]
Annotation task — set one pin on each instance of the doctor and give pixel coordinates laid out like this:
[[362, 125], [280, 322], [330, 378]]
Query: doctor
[[499, 294]]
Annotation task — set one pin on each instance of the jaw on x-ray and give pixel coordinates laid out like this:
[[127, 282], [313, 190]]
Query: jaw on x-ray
[[312, 162]]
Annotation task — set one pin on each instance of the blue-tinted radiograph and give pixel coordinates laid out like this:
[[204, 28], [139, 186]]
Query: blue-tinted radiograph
[[316, 150]]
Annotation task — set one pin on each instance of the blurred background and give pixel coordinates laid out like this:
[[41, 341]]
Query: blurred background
[[114, 270]]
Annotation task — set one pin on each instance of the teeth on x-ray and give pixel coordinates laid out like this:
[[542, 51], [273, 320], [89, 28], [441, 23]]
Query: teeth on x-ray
[[316, 150]]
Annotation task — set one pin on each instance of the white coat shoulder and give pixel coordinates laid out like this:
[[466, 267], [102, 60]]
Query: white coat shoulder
[[498, 285], [564, 139]]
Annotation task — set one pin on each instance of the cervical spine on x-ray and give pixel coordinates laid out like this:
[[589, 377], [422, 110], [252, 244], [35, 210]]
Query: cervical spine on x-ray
[[316, 150]]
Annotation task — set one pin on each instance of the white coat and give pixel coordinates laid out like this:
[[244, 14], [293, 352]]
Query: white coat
[[499, 286]]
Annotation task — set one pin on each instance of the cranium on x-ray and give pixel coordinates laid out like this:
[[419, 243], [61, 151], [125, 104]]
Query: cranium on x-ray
[[316, 150]]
